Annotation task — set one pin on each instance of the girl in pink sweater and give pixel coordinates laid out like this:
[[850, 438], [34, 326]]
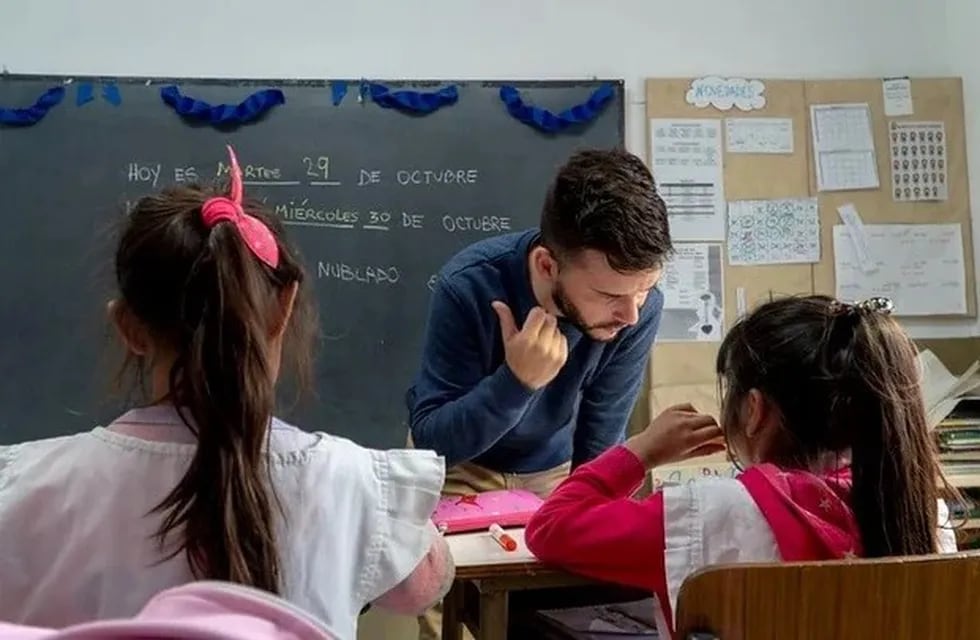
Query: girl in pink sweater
[[822, 409]]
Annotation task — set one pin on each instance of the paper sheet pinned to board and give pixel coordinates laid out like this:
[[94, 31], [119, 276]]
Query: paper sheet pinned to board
[[919, 266], [693, 294], [859, 239], [759, 135], [919, 161], [843, 147], [773, 231], [897, 94], [686, 157]]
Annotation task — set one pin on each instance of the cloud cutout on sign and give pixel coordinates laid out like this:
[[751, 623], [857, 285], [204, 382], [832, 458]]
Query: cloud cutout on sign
[[725, 93]]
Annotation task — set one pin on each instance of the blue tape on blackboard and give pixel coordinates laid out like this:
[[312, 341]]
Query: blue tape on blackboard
[[110, 93], [338, 89], [549, 122], [33, 114], [413, 101], [247, 110], [83, 93]]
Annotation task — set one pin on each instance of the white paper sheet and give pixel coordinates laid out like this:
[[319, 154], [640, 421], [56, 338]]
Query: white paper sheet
[[687, 165], [918, 151], [843, 147], [759, 135], [773, 231], [897, 93], [692, 287], [855, 227], [919, 266], [741, 305]]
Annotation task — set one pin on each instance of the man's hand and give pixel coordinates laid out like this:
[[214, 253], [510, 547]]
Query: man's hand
[[536, 352]]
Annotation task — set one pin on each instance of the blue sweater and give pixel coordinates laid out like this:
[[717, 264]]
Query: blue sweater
[[467, 405]]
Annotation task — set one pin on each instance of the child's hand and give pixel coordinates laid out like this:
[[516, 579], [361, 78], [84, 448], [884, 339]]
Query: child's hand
[[677, 434]]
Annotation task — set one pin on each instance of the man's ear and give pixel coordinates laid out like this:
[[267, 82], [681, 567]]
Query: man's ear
[[544, 263], [130, 330]]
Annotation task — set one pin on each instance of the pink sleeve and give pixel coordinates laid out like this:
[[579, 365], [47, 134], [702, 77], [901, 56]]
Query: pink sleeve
[[426, 585], [591, 525]]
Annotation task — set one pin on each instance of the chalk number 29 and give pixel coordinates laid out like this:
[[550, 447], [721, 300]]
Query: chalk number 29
[[318, 167]]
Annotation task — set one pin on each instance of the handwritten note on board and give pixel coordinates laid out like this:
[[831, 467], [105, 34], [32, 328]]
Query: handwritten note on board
[[919, 266], [759, 135], [773, 231]]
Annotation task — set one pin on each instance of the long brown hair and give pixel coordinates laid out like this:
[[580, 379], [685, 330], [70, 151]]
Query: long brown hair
[[845, 381], [201, 294]]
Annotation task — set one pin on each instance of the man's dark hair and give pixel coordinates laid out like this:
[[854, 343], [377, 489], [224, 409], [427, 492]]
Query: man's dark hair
[[606, 200]]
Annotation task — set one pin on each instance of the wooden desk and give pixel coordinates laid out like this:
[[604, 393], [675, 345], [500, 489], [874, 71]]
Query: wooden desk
[[486, 575]]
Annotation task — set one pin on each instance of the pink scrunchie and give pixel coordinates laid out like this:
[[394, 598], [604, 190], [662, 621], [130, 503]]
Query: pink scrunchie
[[258, 237]]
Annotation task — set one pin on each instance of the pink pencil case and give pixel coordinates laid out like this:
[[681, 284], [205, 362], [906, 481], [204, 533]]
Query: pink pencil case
[[508, 508]]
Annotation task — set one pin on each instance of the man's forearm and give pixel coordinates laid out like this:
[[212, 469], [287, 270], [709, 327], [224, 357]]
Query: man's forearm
[[463, 428]]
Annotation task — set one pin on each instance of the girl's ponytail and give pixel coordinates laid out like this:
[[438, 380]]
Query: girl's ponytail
[[894, 461], [224, 504]]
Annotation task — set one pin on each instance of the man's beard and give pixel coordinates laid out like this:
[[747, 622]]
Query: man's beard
[[571, 313]]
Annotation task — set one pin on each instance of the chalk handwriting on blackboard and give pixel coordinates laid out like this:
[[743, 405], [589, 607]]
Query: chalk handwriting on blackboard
[[476, 223], [372, 275], [408, 177], [304, 213], [144, 173]]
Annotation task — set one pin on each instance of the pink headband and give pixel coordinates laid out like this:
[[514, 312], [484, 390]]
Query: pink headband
[[253, 231]]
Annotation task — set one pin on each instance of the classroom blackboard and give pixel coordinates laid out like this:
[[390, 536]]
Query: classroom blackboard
[[375, 198]]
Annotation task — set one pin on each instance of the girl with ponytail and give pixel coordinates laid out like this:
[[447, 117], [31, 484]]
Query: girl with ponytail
[[821, 408], [203, 482]]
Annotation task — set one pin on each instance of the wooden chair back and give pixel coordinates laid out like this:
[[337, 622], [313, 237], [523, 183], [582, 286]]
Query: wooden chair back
[[895, 598]]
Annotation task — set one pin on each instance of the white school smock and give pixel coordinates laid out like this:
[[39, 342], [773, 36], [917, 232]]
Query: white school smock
[[77, 543]]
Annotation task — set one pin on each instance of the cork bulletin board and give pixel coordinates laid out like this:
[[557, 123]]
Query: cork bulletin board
[[684, 370]]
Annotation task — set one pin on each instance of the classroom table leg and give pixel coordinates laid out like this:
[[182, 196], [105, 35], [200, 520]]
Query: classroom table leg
[[493, 615], [452, 610]]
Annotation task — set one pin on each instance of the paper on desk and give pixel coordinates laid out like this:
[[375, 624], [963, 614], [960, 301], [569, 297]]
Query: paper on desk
[[941, 390], [773, 231], [843, 147], [759, 135], [919, 266], [859, 239], [693, 292], [897, 93], [686, 159]]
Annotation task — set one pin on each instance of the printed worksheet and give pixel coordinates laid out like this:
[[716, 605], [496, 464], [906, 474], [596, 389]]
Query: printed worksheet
[[843, 147], [919, 266], [773, 231], [918, 161], [686, 158], [692, 288]]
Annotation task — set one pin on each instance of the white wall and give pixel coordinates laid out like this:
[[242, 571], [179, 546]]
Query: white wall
[[631, 39]]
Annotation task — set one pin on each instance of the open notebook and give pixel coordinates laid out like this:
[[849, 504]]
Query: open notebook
[[508, 508]]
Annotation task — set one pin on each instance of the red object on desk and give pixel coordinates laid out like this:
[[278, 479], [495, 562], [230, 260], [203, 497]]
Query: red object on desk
[[472, 512]]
